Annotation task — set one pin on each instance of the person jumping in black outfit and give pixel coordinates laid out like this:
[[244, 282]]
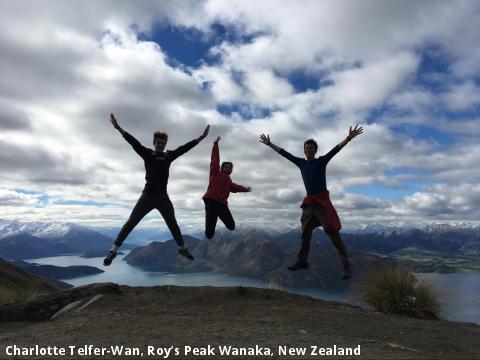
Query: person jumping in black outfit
[[154, 195]]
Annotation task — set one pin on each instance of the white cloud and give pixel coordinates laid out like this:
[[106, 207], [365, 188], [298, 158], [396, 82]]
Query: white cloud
[[463, 96], [267, 89], [368, 86], [66, 65], [220, 82], [12, 198]]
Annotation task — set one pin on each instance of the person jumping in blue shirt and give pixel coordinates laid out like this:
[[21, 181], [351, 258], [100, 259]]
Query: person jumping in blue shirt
[[317, 209]]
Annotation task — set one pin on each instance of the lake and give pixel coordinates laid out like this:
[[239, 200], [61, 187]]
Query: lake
[[460, 292]]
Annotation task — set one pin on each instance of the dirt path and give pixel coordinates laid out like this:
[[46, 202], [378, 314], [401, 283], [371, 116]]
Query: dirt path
[[182, 317]]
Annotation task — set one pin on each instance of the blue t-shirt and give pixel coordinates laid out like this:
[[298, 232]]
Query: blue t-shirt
[[313, 171]]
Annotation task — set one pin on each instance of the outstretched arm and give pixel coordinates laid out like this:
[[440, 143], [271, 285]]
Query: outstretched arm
[[351, 134], [115, 124], [184, 148], [239, 188], [139, 148], [204, 135], [215, 158], [265, 139]]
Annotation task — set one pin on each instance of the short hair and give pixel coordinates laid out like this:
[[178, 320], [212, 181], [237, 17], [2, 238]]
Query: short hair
[[226, 163], [159, 135], [311, 142]]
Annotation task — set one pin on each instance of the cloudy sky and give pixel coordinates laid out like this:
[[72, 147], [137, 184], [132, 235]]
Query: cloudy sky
[[407, 71]]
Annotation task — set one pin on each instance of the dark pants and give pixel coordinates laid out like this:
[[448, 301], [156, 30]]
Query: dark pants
[[214, 210], [314, 216], [146, 203]]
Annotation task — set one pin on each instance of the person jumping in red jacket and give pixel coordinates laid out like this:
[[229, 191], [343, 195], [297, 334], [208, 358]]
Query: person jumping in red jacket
[[219, 188]]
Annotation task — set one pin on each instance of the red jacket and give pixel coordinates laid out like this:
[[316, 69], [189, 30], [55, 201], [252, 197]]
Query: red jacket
[[220, 185], [323, 198]]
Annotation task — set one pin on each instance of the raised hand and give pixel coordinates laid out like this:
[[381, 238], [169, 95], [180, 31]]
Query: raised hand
[[115, 124], [354, 132], [114, 121], [204, 135], [265, 139], [249, 189], [217, 139]]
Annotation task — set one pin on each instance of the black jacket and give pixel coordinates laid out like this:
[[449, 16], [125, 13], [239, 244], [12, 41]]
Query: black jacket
[[157, 165]]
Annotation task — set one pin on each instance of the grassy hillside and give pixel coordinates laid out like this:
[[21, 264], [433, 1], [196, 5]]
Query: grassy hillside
[[18, 285]]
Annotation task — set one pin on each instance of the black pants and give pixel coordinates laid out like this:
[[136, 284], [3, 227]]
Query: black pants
[[314, 216], [214, 210], [146, 203]]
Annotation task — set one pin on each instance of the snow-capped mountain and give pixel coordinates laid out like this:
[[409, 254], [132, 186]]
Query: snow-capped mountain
[[402, 227], [459, 238], [75, 238], [8, 228], [42, 230], [453, 238]]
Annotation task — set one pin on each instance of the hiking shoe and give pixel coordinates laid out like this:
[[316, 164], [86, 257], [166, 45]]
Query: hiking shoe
[[184, 252], [347, 272], [109, 258], [298, 265]]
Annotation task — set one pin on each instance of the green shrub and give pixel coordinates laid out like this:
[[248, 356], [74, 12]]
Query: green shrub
[[5, 296], [17, 295], [274, 285], [396, 290]]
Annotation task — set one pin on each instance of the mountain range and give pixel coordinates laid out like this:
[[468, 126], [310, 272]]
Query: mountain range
[[433, 247], [261, 254], [29, 240], [252, 257], [443, 238]]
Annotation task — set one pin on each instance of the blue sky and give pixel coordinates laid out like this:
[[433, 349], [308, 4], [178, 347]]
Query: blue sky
[[246, 68], [189, 48]]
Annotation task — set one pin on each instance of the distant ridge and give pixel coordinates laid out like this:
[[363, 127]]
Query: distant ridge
[[252, 257]]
